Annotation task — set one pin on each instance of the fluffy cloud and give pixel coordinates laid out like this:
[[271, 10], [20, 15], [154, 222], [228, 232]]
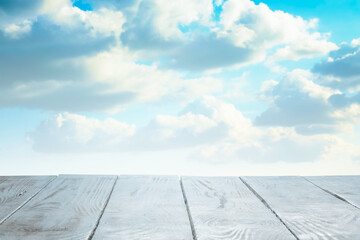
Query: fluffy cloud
[[17, 17], [197, 41], [207, 51], [248, 24], [308, 46], [71, 60], [118, 68], [50, 47], [169, 15], [342, 68], [325, 100], [277, 145], [118, 53], [209, 128], [75, 133], [297, 101], [15, 20], [17, 30], [102, 22], [108, 81], [201, 122], [68, 96]]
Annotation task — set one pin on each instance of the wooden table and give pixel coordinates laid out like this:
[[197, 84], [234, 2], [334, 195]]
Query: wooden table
[[175, 208]]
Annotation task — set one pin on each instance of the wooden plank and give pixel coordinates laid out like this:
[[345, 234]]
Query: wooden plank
[[224, 208], [68, 208], [15, 191], [145, 207], [346, 187], [308, 211]]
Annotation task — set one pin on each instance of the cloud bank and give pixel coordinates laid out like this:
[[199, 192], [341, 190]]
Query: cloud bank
[[210, 129], [114, 54], [298, 101]]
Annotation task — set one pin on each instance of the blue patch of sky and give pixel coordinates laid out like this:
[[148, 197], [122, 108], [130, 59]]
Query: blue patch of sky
[[144, 62], [217, 10], [193, 27], [335, 16], [13, 126], [83, 5], [304, 63]]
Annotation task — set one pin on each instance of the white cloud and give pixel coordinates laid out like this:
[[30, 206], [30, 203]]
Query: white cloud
[[196, 123], [112, 80], [342, 68], [118, 68], [203, 121], [75, 133], [276, 145], [17, 17], [170, 31], [103, 21], [355, 42], [298, 101], [267, 87], [310, 46], [18, 30], [114, 77], [212, 130], [301, 80], [191, 38], [248, 24], [170, 14], [349, 114], [83, 65]]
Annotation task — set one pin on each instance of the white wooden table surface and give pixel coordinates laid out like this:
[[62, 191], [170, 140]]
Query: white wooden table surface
[[174, 208], [309, 211]]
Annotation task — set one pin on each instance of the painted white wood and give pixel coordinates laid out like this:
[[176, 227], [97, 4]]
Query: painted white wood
[[68, 208], [347, 187], [224, 208], [17, 190], [145, 207], [308, 211]]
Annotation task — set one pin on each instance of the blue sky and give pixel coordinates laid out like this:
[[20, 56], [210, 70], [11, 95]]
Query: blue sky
[[202, 87]]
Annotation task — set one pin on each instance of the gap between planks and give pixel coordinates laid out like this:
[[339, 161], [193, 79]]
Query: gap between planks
[[268, 206], [102, 212], [188, 209], [331, 193], [26, 201]]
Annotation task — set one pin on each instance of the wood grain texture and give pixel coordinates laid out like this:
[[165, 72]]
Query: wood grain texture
[[17, 190], [308, 211], [145, 207], [224, 208], [347, 187], [68, 208]]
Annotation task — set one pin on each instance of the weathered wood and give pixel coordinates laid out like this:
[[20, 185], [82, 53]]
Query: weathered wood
[[224, 208], [68, 208], [308, 211], [145, 207], [15, 191], [346, 187]]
